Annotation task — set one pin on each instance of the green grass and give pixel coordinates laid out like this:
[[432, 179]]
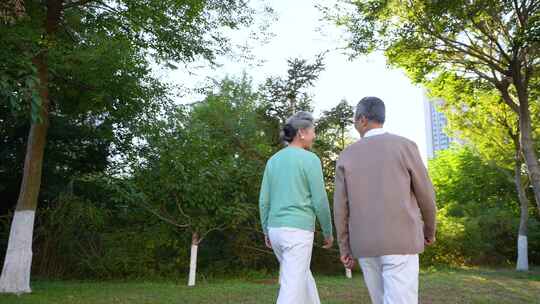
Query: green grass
[[436, 286]]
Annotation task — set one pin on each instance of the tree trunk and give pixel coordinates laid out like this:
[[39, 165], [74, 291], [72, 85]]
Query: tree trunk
[[16, 272], [522, 259], [15, 276], [525, 126], [529, 153], [193, 263]]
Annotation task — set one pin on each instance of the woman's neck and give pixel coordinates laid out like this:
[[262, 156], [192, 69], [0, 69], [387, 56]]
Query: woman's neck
[[296, 145]]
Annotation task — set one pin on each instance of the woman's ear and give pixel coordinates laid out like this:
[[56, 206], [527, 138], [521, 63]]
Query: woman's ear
[[302, 133]]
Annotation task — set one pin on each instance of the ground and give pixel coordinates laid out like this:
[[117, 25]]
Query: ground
[[437, 286]]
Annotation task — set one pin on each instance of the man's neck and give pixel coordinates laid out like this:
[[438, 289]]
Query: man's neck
[[372, 127]]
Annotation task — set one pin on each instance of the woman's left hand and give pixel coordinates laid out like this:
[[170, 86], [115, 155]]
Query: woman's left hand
[[328, 242], [267, 241]]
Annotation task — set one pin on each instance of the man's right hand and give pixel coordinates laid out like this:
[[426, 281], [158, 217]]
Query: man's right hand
[[348, 261], [429, 241]]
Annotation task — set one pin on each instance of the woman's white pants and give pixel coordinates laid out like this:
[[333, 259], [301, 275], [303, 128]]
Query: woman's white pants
[[293, 248]]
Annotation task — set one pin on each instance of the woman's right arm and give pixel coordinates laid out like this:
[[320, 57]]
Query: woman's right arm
[[319, 196]]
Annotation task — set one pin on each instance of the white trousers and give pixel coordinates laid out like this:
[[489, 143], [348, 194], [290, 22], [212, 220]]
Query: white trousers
[[293, 248], [391, 279]]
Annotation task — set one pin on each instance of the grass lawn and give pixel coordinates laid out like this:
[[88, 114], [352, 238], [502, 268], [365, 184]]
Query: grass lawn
[[437, 286]]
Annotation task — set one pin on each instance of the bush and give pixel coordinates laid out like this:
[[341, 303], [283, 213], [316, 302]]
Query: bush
[[76, 239], [66, 232], [488, 239], [478, 213], [449, 247]]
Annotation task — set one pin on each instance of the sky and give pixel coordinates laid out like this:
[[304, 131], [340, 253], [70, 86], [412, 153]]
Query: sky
[[297, 33]]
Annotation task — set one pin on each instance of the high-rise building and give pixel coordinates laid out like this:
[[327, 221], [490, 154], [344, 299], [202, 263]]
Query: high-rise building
[[436, 138]]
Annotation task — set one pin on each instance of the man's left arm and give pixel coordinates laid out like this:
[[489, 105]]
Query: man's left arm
[[423, 191]]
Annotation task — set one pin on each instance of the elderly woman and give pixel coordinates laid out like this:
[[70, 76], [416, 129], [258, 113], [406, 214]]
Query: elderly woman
[[292, 195]]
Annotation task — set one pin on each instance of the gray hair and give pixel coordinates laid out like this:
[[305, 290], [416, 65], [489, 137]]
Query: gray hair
[[371, 108], [300, 120]]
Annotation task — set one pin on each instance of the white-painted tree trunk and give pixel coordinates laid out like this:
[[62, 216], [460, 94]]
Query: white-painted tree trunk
[[523, 257], [17, 264], [193, 260], [348, 273]]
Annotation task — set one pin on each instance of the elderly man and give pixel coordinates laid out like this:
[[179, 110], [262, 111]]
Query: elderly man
[[384, 207]]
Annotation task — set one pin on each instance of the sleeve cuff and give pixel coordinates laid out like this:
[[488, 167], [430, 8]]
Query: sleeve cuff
[[327, 233], [429, 232], [345, 250]]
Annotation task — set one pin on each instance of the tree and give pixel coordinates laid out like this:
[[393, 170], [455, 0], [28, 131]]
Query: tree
[[478, 116], [286, 96], [494, 42], [53, 30], [197, 168], [337, 120], [332, 137]]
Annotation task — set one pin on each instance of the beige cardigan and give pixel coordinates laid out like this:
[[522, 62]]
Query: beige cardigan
[[384, 202]]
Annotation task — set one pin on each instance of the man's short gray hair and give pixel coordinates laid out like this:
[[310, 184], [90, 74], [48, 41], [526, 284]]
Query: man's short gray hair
[[371, 108], [300, 120]]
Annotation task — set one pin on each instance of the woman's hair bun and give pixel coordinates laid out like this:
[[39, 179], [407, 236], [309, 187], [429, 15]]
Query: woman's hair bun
[[288, 132]]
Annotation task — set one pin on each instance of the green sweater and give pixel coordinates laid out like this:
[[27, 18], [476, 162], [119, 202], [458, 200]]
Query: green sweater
[[293, 192]]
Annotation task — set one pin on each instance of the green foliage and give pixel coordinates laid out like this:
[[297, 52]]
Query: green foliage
[[427, 37], [77, 238], [332, 137], [65, 234], [219, 147], [477, 114], [99, 59], [466, 185], [76, 146], [478, 218], [285, 96]]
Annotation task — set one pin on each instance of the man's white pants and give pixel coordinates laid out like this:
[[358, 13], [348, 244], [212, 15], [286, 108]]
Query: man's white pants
[[293, 248], [391, 279]]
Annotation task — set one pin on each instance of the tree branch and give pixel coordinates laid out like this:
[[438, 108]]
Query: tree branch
[[503, 88], [467, 49], [484, 30], [462, 47], [161, 217], [78, 3], [219, 228], [181, 210], [258, 249], [519, 14]]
